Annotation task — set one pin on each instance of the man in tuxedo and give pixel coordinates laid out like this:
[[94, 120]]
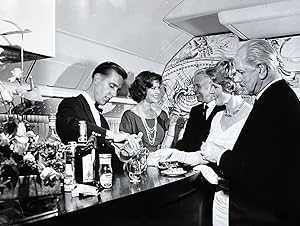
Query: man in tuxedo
[[197, 130], [263, 166], [107, 79], [198, 124]]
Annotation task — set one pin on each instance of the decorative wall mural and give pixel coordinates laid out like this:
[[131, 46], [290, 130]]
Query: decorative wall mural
[[202, 52]]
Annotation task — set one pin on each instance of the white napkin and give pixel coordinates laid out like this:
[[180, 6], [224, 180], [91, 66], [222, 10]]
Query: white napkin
[[84, 189], [208, 173]]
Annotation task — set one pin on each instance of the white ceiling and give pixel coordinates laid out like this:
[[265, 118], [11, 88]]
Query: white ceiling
[[134, 26]]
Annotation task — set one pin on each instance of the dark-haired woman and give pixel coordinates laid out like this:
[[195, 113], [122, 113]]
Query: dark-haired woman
[[158, 131]]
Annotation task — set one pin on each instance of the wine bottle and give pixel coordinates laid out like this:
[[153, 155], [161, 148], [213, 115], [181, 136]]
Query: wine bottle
[[84, 157]]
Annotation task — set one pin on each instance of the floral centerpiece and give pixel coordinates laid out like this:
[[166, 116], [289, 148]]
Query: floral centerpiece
[[22, 154]]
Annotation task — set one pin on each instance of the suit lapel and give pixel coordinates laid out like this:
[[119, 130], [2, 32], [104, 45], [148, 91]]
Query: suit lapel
[[104, 123], [87, 109]]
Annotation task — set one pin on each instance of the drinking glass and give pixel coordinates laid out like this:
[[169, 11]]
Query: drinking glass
[[134, 170]]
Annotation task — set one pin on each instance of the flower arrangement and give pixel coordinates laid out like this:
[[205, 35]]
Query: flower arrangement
[[21, 152]]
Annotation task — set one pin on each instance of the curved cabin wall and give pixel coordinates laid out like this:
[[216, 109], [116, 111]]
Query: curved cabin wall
[[90, 32]]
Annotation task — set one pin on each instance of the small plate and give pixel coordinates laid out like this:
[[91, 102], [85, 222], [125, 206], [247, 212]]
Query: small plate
[[173, 172], [163, 165]]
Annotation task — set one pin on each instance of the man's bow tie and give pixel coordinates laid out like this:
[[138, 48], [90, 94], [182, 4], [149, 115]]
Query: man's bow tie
[[98, 107]]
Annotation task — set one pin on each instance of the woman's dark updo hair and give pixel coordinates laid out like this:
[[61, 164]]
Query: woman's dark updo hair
[[143, 81], [223, 73]]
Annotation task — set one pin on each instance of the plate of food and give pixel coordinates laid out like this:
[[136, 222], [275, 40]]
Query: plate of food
[[173, 172], [165, 164]]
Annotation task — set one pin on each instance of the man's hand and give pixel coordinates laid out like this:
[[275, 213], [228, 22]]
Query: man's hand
[[211, 151], [134, 141]]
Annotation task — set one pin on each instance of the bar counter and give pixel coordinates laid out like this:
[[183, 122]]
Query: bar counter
[[156, 200]]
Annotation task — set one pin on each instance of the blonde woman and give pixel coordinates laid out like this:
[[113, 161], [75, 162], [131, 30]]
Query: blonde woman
[[225, 129]]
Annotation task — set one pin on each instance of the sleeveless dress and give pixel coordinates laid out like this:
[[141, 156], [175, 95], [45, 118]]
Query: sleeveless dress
[[132, 123], [227, 139]]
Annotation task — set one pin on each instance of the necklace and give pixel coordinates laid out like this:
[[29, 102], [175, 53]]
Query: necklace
[[227, 114], [151, 132]]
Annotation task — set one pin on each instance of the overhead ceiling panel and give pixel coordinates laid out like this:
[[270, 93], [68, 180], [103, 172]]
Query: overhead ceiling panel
[[133, 26]]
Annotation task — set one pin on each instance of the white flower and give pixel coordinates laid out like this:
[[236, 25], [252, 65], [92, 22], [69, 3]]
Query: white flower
[[18, 147], [16, 75], [29, 157], [22, 139], [4, 140], [21, 129], [47, 171]]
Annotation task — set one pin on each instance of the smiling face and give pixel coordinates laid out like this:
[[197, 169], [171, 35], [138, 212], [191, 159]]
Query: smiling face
[[106, 86], [202, 88], [154, 93], [221, 97]]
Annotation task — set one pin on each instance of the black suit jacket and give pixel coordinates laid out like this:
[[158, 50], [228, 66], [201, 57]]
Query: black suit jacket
[[263, 167], [70, 112], [197, 129]]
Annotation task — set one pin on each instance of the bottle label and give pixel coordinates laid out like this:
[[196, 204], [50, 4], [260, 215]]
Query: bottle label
[[82, 132], [87, 168], [104, 161], [106, 180], [69, 178], [52, 123]]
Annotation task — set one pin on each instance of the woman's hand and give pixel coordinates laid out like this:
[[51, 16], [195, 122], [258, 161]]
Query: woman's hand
[[173, 118], [170, 154], [133, 140], [211, 151]]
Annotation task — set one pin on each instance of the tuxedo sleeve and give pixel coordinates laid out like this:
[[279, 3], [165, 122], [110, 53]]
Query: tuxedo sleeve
[[67, 119], [187, 143]]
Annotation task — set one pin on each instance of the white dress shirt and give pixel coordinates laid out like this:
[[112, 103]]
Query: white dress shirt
[[95, 112], [210, 108]]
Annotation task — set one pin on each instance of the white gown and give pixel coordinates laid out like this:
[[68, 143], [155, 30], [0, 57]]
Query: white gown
[[227, 139]]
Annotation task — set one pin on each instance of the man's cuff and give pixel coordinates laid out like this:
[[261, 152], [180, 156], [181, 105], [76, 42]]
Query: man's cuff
[[220, 155], [109, 135]]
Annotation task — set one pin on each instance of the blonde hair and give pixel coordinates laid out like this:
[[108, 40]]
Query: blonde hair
[[223, 73]]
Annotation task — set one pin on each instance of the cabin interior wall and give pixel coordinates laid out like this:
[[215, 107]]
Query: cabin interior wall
[[200, 52], [205, 51]]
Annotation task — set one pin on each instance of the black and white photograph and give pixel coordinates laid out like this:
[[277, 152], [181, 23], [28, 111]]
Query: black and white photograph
[[149, 113]]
